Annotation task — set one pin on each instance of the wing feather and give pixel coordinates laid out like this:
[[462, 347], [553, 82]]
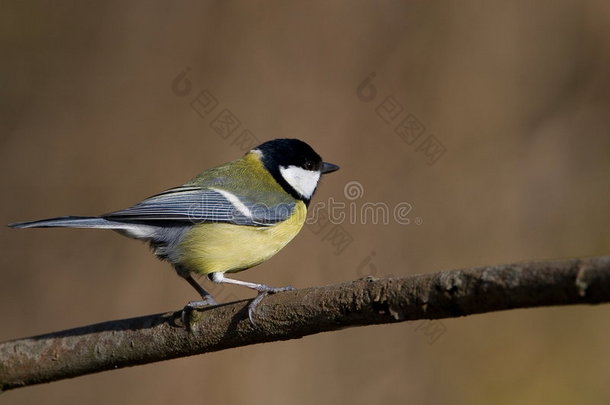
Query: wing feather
[[196, 205]]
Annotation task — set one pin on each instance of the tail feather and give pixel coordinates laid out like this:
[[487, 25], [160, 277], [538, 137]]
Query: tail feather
[[70, 222], [131, 229]]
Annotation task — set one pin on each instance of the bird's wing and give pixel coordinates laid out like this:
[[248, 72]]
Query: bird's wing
[[209, 204]]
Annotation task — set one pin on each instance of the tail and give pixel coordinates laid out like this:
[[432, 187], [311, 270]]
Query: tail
[[130, 229], [70, 222]]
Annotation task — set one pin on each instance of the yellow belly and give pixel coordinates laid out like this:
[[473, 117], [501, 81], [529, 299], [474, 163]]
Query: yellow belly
[[221, 247]]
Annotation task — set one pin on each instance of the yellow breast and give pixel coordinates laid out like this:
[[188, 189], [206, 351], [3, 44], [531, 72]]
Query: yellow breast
[[222, 247]]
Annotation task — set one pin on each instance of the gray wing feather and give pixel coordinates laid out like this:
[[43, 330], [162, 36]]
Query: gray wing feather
[[195, 205]]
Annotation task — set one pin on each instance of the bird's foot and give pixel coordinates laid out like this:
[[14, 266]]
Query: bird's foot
[[209, 301], [262, 293]]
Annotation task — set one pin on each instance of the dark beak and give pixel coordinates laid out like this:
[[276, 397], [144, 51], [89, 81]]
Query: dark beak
[[328, 167]]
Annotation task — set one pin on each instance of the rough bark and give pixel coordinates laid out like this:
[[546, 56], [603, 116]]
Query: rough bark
[[292, 315]]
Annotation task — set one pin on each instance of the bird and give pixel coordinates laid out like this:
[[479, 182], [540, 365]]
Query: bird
[[226, 219]]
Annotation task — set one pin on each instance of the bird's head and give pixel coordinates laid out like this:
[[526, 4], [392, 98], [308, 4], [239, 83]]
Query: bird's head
[[294, 165]]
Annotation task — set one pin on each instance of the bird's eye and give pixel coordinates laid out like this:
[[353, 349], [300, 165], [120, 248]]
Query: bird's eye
[[308, 165]]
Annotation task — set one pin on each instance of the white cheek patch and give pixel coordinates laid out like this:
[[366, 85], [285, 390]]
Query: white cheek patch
[[303, 181]]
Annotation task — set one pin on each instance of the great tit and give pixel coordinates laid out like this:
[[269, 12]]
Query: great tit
[[227, 219]]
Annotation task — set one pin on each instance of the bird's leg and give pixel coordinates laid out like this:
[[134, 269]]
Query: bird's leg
[[263, 290], [206, 297], [206, 300]]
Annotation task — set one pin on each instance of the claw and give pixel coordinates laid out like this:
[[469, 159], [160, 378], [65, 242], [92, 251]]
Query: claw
[[191, 305], [262, 293]]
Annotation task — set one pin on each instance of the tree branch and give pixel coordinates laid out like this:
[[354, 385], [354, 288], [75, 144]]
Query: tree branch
[[292, 315]]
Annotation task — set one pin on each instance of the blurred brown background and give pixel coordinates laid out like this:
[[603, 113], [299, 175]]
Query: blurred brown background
[[516, 95]]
